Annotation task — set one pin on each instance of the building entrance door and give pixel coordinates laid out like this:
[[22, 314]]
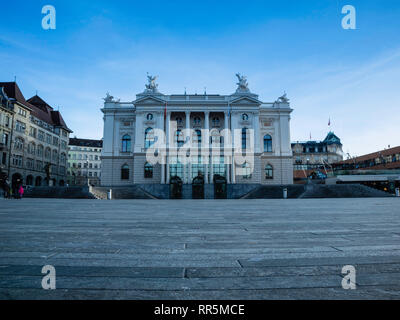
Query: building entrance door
[[176, 188], [198, 188], [220, 187]]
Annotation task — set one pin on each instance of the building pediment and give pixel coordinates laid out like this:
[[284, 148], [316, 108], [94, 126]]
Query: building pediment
[[149, 100], [246, 100]]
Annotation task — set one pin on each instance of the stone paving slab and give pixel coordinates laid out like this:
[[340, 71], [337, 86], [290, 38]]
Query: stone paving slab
[[228, 249]]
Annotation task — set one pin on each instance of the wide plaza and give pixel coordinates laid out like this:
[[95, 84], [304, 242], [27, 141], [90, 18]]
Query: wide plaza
[[205, 249]]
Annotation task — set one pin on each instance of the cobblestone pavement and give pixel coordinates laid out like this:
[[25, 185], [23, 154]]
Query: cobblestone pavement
[[228, 249]]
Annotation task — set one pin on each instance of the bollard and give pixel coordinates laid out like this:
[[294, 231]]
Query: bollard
[[397, 192], [109, 194], [285, 193]]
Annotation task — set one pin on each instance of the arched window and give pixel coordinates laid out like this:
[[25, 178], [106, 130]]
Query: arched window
[[269, 172], [150, 117], [19, 144], [126, 143], [176, 170], [197, 138], [267, 143], [47, 153], [216, 139], [179, 138], [245, 117], [40, 150], [55, 155], [125, 172], [215, 122], [149, 138], [148, 171], [244, 138]]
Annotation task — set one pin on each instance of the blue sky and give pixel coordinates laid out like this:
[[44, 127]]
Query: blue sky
[[351, 76]]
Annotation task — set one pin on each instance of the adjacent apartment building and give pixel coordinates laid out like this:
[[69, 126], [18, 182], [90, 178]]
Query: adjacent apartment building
[[84, 162], [37, 140], [6, 115]]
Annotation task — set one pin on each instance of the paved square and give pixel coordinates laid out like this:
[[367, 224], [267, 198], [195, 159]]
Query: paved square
[[228, 249]]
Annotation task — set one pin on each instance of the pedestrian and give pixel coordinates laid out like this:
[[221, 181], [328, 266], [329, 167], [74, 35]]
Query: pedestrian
[[10, 193], [21, 191]]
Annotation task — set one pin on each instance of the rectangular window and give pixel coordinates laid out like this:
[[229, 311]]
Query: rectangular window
[[5, 139], [32, 132], [20, 126], [41, 135]]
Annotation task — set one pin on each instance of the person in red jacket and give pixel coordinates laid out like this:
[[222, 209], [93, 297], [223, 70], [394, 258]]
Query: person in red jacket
[[21, 191]]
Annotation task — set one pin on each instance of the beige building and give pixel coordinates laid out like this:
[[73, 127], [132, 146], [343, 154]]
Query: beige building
[[38, 141], [6, 115], [84, 162]]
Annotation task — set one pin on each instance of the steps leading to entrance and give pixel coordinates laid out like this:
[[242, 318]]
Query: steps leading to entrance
[[275, 192], [59, 193], [314, 191], [121, 193]]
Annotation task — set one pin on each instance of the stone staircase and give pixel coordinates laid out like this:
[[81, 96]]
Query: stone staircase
[[275, 192], [120, 193], [342, 191]]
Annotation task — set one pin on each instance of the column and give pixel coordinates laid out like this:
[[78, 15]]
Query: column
[[187, 125], [207, 129], [211, 170], [256, 127], [228, 174], [168, 174], [226, 136], [233, 169], [206, 164], [163, 172], [190, 171], [167, 129], [184, 173], [206, 148]]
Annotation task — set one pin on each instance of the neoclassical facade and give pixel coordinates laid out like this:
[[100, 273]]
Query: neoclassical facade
[[161, 137]]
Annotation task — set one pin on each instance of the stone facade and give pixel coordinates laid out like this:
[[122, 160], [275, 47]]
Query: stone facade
[[196, 135], [38, 141], [6, 115]]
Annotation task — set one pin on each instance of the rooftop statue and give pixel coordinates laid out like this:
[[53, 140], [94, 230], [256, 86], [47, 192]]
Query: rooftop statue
[[283, 99], [243, 85], [152, 86], [108, 98]]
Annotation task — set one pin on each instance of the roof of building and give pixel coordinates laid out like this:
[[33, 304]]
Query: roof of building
[[374, 155], [331, 138], [86, 143], [39, 108]]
